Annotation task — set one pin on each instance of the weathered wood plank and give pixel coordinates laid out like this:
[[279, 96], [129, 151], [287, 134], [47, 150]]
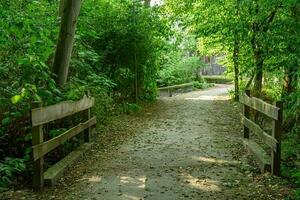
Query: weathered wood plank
[[38, 165], [55, 172], [246, 111], [47, 114], [269, 140], [42, 149], [261, 106], [88, 131], [176, 86], [260, 155], [277, 129]]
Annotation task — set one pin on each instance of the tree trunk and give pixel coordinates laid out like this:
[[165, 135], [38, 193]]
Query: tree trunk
[[236, 51], [291, 79], [147, 3], [69, 14], [259, 62], [61, 7], [291, 72], [250, 81]]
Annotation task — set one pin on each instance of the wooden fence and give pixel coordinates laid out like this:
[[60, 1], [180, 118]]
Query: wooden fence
[[273, 141], [43, 115], [171, 89]]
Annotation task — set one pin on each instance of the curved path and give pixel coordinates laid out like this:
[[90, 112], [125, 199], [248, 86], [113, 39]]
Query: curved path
[[184, 147], [181, 152]]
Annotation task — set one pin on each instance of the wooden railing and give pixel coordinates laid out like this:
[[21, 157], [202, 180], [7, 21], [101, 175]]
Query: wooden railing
[[273, 141], [44, 115], [170, 89]]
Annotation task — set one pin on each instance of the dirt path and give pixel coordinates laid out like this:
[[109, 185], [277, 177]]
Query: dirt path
[[185, 147]]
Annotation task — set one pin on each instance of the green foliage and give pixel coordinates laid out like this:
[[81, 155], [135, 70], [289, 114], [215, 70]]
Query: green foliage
[[177, 72], [109, 36], [56, 132], [123, 38], [8, 169], [129, 108], [119, 43], [290, 155], [262, 38], [202, 85]]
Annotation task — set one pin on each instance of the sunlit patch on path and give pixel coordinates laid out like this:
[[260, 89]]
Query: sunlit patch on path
[[178, 154], [184, 149]]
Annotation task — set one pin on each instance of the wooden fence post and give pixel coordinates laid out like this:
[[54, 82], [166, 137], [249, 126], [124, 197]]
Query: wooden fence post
[[247, 115], [38, 165], [88, 131], [277, 128]]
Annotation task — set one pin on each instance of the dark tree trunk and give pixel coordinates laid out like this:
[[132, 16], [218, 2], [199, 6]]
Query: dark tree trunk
[[147, 3], [69, 11], [259, 62], [259, 57], [290, 80], [236, 52]]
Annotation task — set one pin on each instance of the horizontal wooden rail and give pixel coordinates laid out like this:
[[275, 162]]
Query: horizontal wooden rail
[[48, 114], [261, 106], [274, 141], [263, 159], [42, 149], [176, 86], [269, 140]]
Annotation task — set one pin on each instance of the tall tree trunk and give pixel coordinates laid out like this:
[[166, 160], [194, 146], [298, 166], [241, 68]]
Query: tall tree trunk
[[69, 14], [61, 7], [236, 51], [136, 77], [147, 3], [258, 28], [259, 62], [257, 53], [291, 79]]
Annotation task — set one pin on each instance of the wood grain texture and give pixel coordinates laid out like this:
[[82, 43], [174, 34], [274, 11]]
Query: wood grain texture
[[38, 165], [246, 111], [277, 134], [261, 106], [42, 149], [269, 140], [55, 172], [260, 155], [47, 114]]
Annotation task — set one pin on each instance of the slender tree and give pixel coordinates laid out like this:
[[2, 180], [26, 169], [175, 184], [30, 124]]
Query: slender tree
[[69, 11]]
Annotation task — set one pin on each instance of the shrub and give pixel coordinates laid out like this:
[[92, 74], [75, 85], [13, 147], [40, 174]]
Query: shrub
[[8, 169], [202, 85], [184, 71]]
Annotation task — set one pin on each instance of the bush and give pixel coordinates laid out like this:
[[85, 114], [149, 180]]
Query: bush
[[102, 62], [202, 85], [184, 71], [8, 169]]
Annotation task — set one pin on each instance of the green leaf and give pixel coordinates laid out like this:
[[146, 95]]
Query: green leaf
[[37, 98], [6, 121], [16, 114], [16, 99]]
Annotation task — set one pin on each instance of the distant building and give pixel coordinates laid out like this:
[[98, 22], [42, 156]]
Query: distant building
[[212, 67]]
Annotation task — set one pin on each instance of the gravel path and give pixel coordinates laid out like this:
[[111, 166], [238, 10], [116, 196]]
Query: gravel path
[[181, 152], [184, 147]]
